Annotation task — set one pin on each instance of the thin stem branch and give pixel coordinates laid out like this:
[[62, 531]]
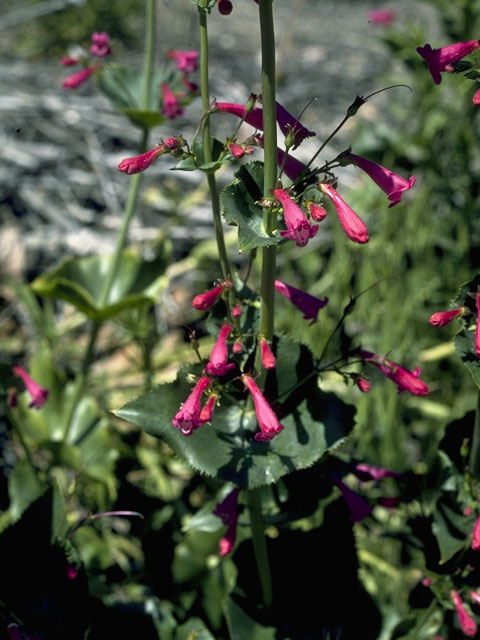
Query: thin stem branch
[[259, 545]]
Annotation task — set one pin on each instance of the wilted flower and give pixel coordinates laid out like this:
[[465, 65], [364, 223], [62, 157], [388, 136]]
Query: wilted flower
[[298, 226], [442, 318], [187, 419], [467, 623], [443, 59], [405, 379], [38, 394], [353, 226], [268, 359], [171, 107], [217, 365], [381, 16], [309, 305], [358, 506], [388, 181], [101, 44], [363, 384], [227, 511], [79, 78], [187, 61], [267, 420]]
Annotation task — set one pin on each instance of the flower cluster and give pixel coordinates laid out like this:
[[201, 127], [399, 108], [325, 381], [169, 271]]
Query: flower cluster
[[99, 48], [405, 379]]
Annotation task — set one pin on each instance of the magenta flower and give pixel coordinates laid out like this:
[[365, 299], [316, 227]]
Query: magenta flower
[[237, 311], [268, 359], [309, 305], [477, 330], [237, 347], [227, 511], [191, 87], [391, 183], [363, 384], [267, 420], [405, 379], [443, 59], [187, 61], [79, 78], [38, 394], [101, 44], [442, 318], [67, 61], [367, 472], [476, 535], [298, 226], [476, 98], [381, 16], [236, 150], [475, 597], [206, 413], [205, 300], [353, 226], [467, 623], [136, 164], [288, 123], [316, 211], [217, 365], [359, 508], [187, 419], [171, 107]]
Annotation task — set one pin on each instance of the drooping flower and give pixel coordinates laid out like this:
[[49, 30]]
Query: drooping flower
[[289, 123], [187, 419], [476, 535], [266, 418], [405, 379], [171, 107], [353, 226], [388, 181], [309, 305], [205, 300], [363, 384], [187, 61], [38, 394], [206, 413], [444, 58], [442, 318], [316, 211], [236, 150], [100, 44], [217, 364], [381, 16], [298, 226], [359, 508], [79, 78], [477, 330], [268, 359], [367, 472], [227, 511], [467, 623]]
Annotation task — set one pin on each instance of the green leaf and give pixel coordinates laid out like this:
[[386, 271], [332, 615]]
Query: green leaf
[[79, 281], [242, 626], [23, 488], [145, 118], [194, 629], [197, 161], [314, 422], [451, 529], [465, 346], [239, 207]]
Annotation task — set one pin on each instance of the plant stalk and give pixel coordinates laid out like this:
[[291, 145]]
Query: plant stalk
[[475, 449], [259, 545]]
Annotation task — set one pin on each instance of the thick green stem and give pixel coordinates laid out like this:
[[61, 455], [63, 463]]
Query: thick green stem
[[259, 545], [270, 167], [475, 450], [207, 149]]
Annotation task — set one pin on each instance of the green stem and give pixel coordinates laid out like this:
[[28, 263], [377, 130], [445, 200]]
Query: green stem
[[259, 545], [207, 149], [267, 31], [334, 133], [475, 450]]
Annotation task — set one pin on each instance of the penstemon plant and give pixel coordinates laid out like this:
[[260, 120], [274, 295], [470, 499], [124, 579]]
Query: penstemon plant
[[259, 512]]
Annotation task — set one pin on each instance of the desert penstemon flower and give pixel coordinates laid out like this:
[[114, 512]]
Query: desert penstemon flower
[[298, 226], [266, 418], [187, 418], [444, 58]]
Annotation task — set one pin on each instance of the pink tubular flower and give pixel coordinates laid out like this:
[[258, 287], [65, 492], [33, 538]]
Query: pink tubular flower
[[477, 330], [38, 394], [367, 472], [136, 164], [205, 300], [187, 61], [476, 98], [288, 123], [298, 226], [268, 359], [171, 107], [79, 78], [227, 511], [358, 506], [187, 419], [101, 44], [475, 597], [442, 59], [317, 212], [309, 305], [353, 226], [67, 61], [217, 365], [381, 16], [206, 413], [405, 379], [363, 384], [476, 535], [442, 318], [391, 183], [267, 420], [467, 623]]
